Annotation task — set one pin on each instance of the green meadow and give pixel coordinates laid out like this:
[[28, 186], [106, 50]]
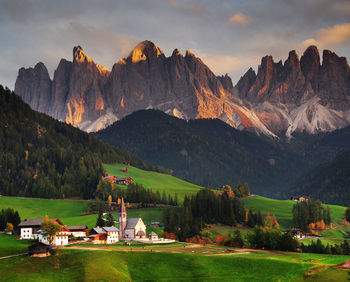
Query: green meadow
[[113, 265], [155, 180], [69, 211]]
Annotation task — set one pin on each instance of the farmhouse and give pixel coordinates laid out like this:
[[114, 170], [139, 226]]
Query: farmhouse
[[299, 199], [124, 181], [30, 226], [78, 231], [104, 235], [39, 249], [132, 228], [155, 224]]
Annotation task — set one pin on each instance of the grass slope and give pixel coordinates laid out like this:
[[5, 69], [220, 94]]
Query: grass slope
[[68, 211], [282, 210], [156, 181], [36, 208], [86, 265]]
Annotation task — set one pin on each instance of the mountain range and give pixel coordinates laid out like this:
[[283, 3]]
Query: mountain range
[[281, 98]]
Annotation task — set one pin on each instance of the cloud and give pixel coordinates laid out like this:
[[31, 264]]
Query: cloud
[[190, 7], [222, 64], [335, 35], [240, 19]]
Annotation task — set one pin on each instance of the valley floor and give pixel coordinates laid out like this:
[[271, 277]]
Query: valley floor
[[166, 263]]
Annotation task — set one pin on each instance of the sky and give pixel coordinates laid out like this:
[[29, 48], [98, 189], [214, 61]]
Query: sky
[[228, 35]]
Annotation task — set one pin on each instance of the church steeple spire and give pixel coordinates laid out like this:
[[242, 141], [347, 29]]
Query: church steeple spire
[[122, 218]]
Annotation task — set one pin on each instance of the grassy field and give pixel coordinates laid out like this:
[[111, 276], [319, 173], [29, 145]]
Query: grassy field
[[69, 211], [36, 208], [9, 245], [282, 210], [154, 180], [113, 265]]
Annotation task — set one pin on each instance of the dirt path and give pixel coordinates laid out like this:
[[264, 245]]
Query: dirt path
[[11, 256], [345, 265]]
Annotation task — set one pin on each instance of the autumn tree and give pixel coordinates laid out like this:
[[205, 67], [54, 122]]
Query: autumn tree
[[9, 227], [51, 228]]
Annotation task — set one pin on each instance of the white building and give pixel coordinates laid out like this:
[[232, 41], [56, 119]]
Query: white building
[[78, 231], [30, 226], [132, 228], [30, 229]]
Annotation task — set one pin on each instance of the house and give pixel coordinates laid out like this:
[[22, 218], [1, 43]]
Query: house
[[155, 224], [111, 178], [153, 236], [39, 249], [296, 232], [130, 228], [78, 231], [60, 239], [29, 226], [299, 199], [104, 235], [124, 181]]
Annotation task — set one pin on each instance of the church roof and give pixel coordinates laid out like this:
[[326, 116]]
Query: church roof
[[140, 233], [131, 222]]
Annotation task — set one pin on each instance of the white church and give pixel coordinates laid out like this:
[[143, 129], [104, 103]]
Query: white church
[[130, 228]]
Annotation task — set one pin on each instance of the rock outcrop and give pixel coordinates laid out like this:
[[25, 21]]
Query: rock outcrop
[[292, 96]]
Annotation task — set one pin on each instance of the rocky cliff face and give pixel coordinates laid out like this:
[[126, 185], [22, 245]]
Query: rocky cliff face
[[300, 95], [294, 95]]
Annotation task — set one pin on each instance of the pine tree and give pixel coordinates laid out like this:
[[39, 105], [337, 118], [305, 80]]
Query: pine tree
[[100, 220], [110, 220]]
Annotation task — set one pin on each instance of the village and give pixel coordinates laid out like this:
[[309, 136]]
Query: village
[[130, 229]]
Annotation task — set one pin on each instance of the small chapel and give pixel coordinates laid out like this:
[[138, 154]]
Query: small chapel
[[130, 228]]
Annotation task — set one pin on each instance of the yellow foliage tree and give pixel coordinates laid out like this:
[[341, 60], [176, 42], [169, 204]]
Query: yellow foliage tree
[[109, 200], [119, 201]]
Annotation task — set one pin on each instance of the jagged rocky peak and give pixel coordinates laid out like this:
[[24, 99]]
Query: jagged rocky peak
[[176, 52], [145, 50], [189, 54], [310, 62], [293, 59], [79, 55]]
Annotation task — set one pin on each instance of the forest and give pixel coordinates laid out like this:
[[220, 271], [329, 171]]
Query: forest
[[42, 157]]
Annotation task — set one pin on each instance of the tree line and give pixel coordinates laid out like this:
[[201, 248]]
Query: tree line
[[9, 216], [310, 212], [206, 207]]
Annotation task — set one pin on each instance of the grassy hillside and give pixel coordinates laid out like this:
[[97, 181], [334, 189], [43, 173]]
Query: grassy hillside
[[86, 265], [68, 211], [282, 210], [154, 180], [34, 208]]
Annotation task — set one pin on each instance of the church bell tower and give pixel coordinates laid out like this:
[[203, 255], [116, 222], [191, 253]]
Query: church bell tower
[[122, 219]]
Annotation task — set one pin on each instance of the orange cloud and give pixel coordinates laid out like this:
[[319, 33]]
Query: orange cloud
[[221, 64], [335, 35], [240, 19]]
